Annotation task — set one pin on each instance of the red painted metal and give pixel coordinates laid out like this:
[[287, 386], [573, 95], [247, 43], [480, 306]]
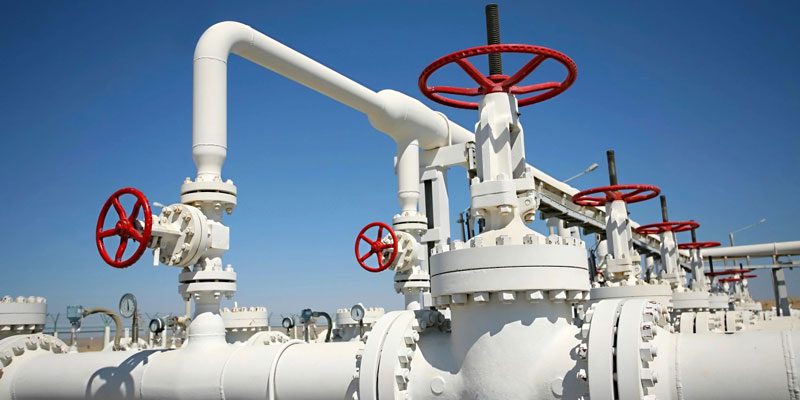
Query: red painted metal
[[697, 245], [498, 83], [626, 193], [125, 228], [377, 247], [729, 272], [667, 226], [738, 279]]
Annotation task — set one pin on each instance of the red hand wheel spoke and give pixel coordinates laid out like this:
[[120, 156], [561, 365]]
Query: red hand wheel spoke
[[498, 83], [125, 228], [456, 90], [366, 239], [474, 73], [697, 245], [376, 247], [524, 71], [123, 244], [667, 226], [535, 88], [118, 207], [626, 193]]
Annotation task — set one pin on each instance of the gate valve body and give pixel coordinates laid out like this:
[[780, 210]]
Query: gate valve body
[[385, 252], [127, 227]]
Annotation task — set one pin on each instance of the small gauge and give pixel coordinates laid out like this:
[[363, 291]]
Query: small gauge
[[157, 325], [357, 312], [306, 315], [127, 305], [287, 323]]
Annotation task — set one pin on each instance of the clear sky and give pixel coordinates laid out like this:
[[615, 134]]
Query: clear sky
[[700, 98]]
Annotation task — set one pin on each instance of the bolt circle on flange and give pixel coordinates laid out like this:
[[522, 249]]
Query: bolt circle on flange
[[126, 228], [498, 83], [627, 193], [376, 247], [666, 226], [698, 245]]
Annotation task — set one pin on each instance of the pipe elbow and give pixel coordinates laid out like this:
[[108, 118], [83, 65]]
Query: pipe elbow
[[405, 119], [222, 38]]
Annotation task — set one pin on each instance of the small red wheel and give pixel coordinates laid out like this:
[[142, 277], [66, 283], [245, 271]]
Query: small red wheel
[[126, 228], [667, 226], [728, 272], [697, 245], [626, 193], [498, 83], [377, 247]]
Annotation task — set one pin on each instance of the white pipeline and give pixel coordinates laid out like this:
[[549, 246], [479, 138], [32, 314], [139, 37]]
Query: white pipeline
[[754, 250], [398, 115], [304, 371]]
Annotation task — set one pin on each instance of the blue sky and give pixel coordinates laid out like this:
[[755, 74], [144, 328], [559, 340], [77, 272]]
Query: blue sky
[[700, 98]]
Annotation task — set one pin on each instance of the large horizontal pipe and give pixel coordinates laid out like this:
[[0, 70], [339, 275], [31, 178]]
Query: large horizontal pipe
[[398, 115], [744, 365], [303, 371], [755, 250]]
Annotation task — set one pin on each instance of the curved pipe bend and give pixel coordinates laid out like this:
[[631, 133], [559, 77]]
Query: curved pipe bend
[[117, 322], [400, 116]]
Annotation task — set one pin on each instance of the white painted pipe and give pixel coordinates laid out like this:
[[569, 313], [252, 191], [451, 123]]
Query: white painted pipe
[[398, 115], [745, 365], [305, 371], [408, 176], [754, 250]]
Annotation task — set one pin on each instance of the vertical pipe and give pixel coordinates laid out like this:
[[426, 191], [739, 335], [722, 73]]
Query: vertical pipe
[[612, 167]]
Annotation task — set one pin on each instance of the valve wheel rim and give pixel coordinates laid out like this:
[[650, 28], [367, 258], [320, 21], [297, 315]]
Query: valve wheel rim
[[377, 247], [125, 228], [666, 226], [698, 245], [498, 83], [627, 193]]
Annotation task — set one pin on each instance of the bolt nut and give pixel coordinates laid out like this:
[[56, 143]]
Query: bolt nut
[[648, 331], [582, 375], [480, 297], [503, 240], [583, 350]]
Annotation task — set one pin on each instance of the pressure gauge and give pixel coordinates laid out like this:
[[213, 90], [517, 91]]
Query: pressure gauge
[[127, 305], [357, 312], [157, 325], [287, 323]]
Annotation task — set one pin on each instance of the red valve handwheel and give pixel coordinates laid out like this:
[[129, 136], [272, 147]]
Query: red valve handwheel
[[667, 226], [125, 228], [377, 247], [737, 279], [697, 245], [498, 83], [729, 272], [626, 193]]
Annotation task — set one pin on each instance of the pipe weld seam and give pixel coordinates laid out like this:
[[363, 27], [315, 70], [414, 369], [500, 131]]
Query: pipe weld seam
[[678, 382], [790, 359], [273, 369], [211, 58], [210, 145]]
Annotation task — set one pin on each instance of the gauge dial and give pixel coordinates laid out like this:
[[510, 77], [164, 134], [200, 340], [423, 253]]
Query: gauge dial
[[357, 312], [156, 325], [127, 305]]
